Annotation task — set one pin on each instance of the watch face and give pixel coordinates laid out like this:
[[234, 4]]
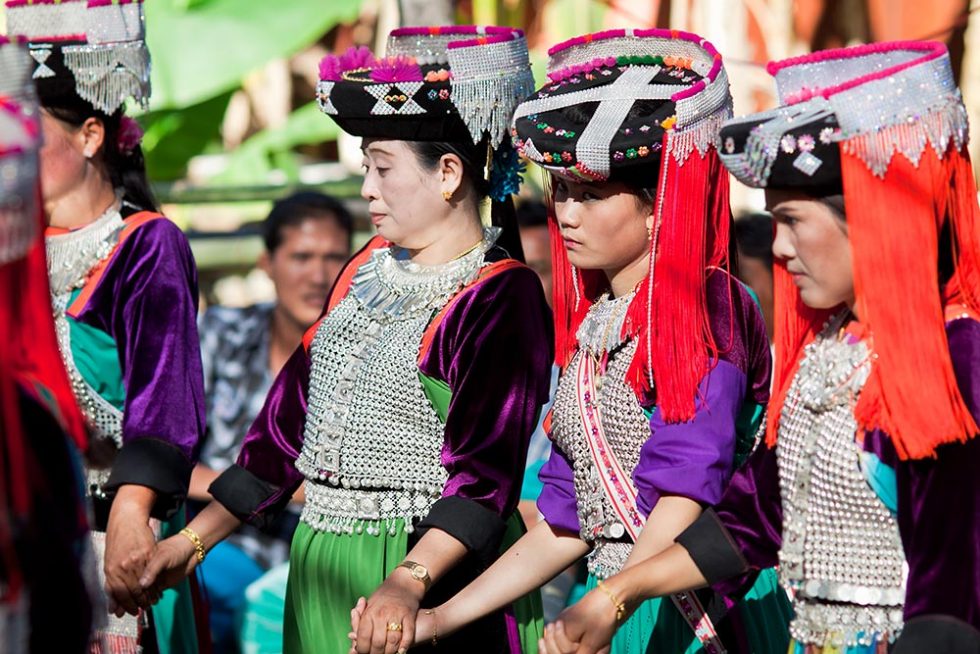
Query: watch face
[[419, 572]]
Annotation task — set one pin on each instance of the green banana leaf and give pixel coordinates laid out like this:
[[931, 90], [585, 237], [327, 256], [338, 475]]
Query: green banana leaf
[[203, 48]]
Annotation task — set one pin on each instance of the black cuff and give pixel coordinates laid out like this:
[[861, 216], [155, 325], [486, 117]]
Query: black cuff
[[156, 464], [242, 493], [713, 550], [472, 524], [938, 633]]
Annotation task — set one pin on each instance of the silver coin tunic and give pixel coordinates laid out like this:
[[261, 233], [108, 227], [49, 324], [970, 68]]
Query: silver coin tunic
[[373, 456], [841, 550], [625, 424]]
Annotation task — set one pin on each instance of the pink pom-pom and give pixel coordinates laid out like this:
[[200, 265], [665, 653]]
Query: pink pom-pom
[[397, 69], [130, 135], [332, 67]]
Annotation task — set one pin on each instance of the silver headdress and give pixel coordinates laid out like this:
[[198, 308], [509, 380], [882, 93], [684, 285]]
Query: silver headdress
[[873, 101], [100, 43], [18, 153]]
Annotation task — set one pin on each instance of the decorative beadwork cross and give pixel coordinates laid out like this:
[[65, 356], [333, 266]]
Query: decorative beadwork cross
[[615, 101]]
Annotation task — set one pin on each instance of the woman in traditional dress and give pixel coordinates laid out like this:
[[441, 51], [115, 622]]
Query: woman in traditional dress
[[124, 292], [865, 492], [409, 406], [47, 572], [665, 357]]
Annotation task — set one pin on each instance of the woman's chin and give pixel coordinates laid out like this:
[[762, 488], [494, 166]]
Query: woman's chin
[[816, 299]]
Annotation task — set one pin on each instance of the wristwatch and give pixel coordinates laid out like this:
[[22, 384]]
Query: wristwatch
[[419, 572]]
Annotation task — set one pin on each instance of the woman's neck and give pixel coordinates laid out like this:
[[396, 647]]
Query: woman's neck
[[624, 280], [454, 236], [81, 205]]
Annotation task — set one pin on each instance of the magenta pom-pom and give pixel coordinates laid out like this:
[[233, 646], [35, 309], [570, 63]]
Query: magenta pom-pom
[[332, 67], [397, 69]]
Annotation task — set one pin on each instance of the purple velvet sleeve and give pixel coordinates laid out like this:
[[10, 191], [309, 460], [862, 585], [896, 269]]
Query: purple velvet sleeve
[[494, 350], [273, 442], [939, 506], [557, 499], [147, 301], [693, 459], [751, 509]]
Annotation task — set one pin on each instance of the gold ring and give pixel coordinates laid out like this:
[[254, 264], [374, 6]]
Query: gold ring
[[394, 626]]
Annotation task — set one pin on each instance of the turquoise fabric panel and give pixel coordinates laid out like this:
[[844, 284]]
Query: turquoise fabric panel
[[97, 359]]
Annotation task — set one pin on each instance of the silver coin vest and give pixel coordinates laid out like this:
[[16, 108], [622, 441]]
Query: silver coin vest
[[71, 258], [623, 420], [372, 440], [841, 553]]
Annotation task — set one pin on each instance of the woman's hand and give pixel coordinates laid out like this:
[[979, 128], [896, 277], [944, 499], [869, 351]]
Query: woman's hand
[[172, 560], [387, 623], [587, 627], [128, 545]]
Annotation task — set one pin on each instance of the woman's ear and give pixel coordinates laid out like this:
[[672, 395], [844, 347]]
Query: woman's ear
[[451, 173], [92, 136]]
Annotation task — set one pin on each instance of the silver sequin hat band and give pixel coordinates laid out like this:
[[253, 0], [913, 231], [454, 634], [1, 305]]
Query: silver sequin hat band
[[876, 100], [98, 44]]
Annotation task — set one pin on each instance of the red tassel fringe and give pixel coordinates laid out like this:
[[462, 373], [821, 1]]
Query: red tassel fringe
[[675, 343], [894, 226]]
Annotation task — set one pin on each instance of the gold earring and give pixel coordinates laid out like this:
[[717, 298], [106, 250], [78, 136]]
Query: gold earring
[[447, 195]]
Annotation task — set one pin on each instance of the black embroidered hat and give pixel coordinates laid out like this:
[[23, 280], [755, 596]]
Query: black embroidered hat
[[433, 84], [612, 98]]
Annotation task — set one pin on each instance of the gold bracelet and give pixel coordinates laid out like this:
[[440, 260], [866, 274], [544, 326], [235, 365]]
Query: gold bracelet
[[620, 606], [196, 541], [435, 626]]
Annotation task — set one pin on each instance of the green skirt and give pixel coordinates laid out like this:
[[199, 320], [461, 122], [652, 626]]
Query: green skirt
[[328, 572], [657, 627]]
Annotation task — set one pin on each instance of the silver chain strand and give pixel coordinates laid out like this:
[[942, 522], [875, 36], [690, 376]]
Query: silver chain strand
[[372, 439], [841, 554]]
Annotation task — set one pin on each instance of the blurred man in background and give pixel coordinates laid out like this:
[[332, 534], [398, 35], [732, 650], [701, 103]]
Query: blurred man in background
[[307, 241]]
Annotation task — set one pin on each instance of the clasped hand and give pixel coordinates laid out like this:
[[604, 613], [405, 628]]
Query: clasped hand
[[167, 564], [389, 622]]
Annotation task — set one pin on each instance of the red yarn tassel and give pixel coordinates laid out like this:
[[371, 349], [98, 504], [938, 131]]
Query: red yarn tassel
[[964, 215], [795, 326], [912, 393], [693, 237]]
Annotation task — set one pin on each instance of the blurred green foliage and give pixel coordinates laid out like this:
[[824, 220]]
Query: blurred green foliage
[[202, 51]]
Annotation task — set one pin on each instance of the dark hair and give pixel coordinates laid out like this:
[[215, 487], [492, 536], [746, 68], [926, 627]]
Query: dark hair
[[532, 213], [296, 209], [126, 170], [474, 161], [753, 233]]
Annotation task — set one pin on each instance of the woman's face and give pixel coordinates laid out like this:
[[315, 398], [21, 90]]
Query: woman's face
[[405, 201], [812, 242], [63, 160], [605, 226]]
